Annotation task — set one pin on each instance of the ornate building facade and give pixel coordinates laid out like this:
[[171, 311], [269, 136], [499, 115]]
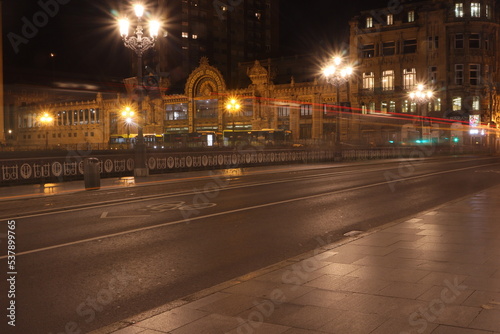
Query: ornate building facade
[[450, 46]]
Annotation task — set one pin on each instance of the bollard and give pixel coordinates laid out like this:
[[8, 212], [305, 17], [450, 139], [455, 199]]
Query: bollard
[[91, 174]]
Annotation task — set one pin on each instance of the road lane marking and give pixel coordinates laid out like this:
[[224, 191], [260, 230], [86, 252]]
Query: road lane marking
[[105, 215], [291, 200], [229, 187]]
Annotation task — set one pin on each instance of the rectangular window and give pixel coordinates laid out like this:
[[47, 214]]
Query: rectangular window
[[457, 103], [368, 50], [388, 48], [475, 9], [390, 19], [459, 74], [371, 107], [406, 106], [459, 41], [363, 109], [476, 102], [410, 46], [384, 107], [487, 11], [392, 106], [306, 110], [329, 111], [433, 74], [368, 80], [185, 34], [436, 42], [283, 111], [388, 80], [459, 9], [409, 78], [369, 22], [474, 73], [176, 112], [474, 41], [437, 104], [411, 16]]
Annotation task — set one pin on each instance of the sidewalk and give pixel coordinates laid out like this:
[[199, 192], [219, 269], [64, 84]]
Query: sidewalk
[[437, 272]]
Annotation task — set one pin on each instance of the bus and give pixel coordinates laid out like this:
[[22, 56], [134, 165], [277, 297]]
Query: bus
[[124, 141], [191, 140], [264, 137]]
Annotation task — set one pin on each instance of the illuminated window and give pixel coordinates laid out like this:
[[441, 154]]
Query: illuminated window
[[305, 110], [459, 9], [437, 104], [406, 106], [194, 36], [383, 107], [283, 111], [411, 16], [388, 80], [371, 107], [457, 103], [476, 102], [474, 73], [475, 9], [368, 80], [390, 19], [392, 106], [185, 34], [488, 13], [409, 78], [369, 22], [413, 107], [459, 74]]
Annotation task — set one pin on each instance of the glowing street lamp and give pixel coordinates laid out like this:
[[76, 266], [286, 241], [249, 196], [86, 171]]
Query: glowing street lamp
[[139, 44], [421, 95], [232, 107], [46, 120], [127, 116], [337, 74]]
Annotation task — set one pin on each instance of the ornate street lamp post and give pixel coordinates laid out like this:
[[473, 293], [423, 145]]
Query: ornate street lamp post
[[232, 107], [127, 116], [421, 95], [139, 44], [337, 74], [46, 119]]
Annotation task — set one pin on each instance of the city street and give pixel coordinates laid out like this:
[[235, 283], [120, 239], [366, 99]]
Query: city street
[[88, 259]]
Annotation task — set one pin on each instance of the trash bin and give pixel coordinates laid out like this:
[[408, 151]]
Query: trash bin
[[91, 174]]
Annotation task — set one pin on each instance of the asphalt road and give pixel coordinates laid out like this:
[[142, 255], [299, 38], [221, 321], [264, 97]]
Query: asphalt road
[[126, 251]]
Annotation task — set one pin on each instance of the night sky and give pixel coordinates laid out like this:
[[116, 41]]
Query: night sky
[[81, 34]]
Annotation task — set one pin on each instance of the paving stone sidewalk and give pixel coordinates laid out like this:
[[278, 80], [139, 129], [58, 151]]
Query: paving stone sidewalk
[[437, 272]]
